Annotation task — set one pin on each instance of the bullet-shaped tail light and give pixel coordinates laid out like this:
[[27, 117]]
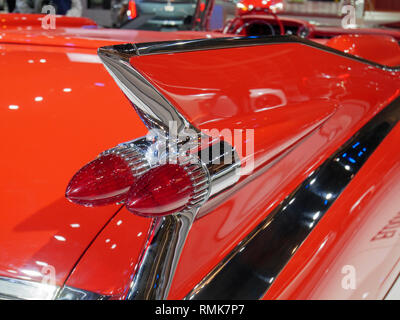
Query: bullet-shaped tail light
[[107, 179], [168, 189]]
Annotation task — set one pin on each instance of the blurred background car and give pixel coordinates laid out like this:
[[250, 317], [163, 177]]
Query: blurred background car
[[177, 14], [163, 15], [72, 8]]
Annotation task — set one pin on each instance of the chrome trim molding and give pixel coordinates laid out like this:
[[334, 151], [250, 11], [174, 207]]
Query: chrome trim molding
[[148, 48], [250, 269], [155, 111], [15, 289]]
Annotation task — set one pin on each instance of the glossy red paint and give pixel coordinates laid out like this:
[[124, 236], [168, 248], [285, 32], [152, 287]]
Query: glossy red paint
[[219, 95], [366, 46], [61, 110], [32, 21], [329, 32], [350, 234], [51, 128], [108, 264]]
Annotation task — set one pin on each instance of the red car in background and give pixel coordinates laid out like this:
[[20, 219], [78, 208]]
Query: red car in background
[[236, 167]]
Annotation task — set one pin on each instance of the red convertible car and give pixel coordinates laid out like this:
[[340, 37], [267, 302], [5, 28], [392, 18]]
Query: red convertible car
[[199, 165]]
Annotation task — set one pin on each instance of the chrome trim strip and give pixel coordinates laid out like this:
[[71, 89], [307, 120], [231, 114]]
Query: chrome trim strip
[[250, 269], [159, 259], [153, 108], [16, 289], [167, 236]]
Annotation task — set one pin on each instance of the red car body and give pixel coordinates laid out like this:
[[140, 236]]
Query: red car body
[[60, 108]]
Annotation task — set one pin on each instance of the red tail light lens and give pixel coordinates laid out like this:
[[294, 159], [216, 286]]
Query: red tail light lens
[[107, 179], [122, 174], [103, 181], [160, 191]]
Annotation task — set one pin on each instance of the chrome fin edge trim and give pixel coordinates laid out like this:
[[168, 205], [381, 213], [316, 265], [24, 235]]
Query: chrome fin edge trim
[[153, 108], [177, 46]]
